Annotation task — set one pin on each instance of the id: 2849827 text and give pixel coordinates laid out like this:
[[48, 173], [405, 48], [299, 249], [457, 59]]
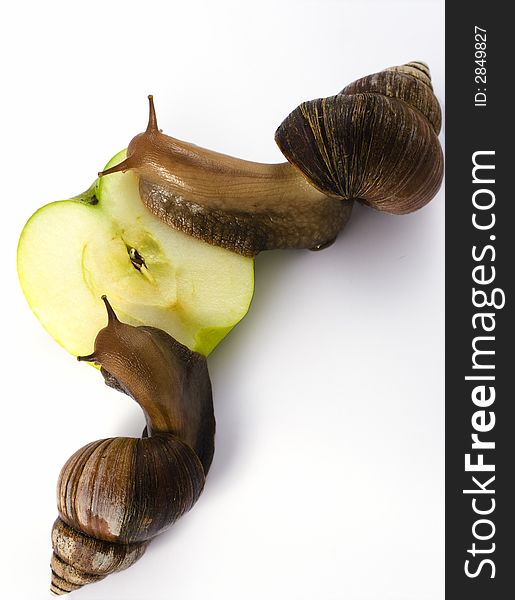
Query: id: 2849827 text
[[480, 66]]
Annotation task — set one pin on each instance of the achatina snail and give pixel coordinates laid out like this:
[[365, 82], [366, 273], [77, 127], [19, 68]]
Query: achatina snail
[[115, 495], [375, 142]]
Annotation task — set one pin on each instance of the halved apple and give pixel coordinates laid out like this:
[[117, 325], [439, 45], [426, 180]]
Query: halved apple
[[106, 242]]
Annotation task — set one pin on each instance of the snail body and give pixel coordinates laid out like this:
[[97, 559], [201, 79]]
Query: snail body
[[376, 142], [115, 495], [240, 205]]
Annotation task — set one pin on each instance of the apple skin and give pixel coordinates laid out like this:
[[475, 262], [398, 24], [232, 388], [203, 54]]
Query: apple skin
[[105, 241]]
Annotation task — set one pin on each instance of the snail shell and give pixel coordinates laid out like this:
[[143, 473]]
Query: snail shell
[[376, 141], [115, 495], [79, 559]]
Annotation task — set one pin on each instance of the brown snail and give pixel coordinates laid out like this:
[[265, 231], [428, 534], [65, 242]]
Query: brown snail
[[115, 495], [375, 142]]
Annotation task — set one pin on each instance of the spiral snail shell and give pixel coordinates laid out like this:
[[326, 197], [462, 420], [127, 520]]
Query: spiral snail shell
[[115, 495], [375, 142]]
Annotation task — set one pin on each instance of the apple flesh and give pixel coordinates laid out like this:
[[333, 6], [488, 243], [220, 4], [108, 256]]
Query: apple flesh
[[106, 242]]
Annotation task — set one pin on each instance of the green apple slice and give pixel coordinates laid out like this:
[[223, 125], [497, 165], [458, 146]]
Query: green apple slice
[[106, 242]]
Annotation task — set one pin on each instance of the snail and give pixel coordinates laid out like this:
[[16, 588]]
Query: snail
[[375, 142], [115, 495]]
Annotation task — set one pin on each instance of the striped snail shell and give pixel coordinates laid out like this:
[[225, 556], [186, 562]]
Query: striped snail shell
[[117, 494], [376, 141]]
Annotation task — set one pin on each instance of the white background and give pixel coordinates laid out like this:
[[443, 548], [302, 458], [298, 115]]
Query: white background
[[328, 474]]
